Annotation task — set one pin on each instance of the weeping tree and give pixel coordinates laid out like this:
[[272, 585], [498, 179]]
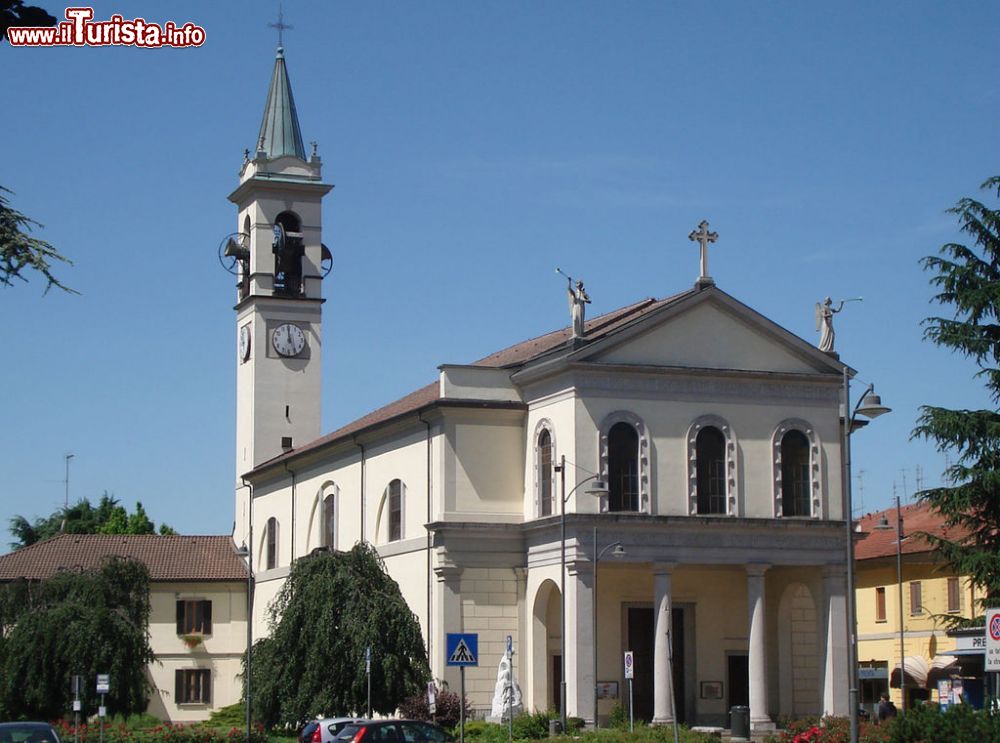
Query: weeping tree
[[967, 278], [333, 606], [75, 623]]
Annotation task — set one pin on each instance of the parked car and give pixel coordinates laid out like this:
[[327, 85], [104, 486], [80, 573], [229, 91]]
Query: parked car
[[325, 730], [28, 732], [393, 731]]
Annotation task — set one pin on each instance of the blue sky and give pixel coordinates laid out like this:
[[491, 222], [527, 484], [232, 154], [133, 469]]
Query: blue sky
[[474, 148]]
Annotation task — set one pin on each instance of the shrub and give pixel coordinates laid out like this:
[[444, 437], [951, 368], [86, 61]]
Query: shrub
[[448, 712], [533, 725]]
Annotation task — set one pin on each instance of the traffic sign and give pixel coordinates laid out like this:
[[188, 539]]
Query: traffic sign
[[103, 683], [510, 646], [462, 649], [992, 640], [629, 669]]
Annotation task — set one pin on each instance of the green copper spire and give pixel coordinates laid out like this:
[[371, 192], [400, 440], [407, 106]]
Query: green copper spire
[[279, 129]]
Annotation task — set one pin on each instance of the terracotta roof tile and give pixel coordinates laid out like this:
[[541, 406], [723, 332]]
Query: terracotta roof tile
[[917, 517], [518, 354], [173, 558]]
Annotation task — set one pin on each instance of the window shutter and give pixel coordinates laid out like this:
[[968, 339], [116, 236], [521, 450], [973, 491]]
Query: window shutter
[[206, 687], [179, 684], [206, 617], [180, 617]]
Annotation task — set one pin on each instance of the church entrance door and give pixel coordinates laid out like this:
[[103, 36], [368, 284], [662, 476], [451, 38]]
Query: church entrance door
[[640, 642]]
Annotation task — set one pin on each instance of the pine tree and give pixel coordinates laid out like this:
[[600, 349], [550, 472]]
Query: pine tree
[[968, 280]]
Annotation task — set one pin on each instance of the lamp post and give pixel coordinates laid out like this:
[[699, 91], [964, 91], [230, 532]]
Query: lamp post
[[617, 550], [244, 551], [598, 488], [870, 406], [884, 524]]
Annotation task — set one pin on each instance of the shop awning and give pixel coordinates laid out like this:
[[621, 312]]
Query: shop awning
[[916, 672], [942, 667]]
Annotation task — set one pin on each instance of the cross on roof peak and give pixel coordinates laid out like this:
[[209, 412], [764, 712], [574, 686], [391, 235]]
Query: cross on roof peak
[[281, 26], [703, 237]]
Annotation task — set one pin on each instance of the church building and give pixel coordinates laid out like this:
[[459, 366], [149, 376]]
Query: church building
[[663, 479]]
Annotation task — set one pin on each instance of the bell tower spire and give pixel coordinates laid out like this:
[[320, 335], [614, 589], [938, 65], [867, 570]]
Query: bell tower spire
[[279, 129], [281, 261]]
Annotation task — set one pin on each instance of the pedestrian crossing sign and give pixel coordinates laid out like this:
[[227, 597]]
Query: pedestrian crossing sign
[[462, 649]]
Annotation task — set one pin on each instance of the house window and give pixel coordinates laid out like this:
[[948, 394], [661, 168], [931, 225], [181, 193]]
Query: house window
[[395, 499], [194, 617], [545, 473], [193, 686], [329, 521], [795, 474], [710, 452], [272, 543], [623, 468], [880, 604], [916, 604], [954, 596]]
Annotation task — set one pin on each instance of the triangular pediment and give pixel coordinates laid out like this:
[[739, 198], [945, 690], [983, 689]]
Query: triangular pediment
[[710, 330]]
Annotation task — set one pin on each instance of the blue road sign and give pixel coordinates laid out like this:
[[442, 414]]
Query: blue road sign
[[462, 649]]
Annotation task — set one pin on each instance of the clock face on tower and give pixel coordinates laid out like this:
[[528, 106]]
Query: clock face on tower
[[244, 343], [288, 339]]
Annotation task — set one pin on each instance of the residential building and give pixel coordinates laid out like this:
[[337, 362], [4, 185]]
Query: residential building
[[916, 597], [198, 610]]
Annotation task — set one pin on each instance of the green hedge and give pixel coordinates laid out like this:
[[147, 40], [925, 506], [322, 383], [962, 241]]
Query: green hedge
[[926, 723], [120, 732]]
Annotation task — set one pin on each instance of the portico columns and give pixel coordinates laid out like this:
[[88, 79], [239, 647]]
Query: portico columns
[[834, 639], [663, 680], [759, 718], [447, 615], [580, 640]]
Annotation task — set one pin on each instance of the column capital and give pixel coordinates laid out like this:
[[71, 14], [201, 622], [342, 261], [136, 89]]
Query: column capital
[[834, 572], [447, 571], [664, 568], [757, 569], [579, 567]]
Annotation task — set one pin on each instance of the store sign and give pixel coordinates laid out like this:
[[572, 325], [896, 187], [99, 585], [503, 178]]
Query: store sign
[[873, 673]]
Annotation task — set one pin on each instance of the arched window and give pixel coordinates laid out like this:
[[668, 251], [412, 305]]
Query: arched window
[[795, 480], [395, 502], [272, 544], [545, 473], [623, 468], [710, 448], [330, 521]]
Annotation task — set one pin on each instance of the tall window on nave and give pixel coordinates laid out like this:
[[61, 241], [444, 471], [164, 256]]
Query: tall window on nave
[[623, 468]]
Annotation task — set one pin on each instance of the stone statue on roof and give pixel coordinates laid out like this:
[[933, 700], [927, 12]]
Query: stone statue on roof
[[824, 323]]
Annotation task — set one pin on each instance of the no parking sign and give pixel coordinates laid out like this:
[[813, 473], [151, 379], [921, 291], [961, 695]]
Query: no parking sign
[[629, 669], [992, 640]]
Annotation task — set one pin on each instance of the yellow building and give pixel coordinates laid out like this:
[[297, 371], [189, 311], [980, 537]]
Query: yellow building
[[914, 590], [198, 610]]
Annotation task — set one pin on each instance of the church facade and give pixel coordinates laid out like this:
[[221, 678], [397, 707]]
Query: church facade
[[663, 479]]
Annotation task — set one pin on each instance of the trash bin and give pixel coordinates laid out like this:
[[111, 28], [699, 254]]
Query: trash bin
[[555, 728], [739, 723]]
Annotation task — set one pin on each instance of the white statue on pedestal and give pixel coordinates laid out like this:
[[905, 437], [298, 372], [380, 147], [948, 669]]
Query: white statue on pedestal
[[503, 703]]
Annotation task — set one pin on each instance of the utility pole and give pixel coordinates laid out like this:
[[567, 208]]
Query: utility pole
[[62, 527]]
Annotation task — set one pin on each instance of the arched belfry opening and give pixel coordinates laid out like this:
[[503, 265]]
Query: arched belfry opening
[[288, 250]]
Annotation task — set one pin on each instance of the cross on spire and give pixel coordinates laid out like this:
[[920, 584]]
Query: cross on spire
[[281, 26], [703, 237]]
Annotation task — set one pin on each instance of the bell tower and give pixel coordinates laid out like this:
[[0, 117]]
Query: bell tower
[[279, 260]]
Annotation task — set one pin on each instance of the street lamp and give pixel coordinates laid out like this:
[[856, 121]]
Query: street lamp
[[884, 524], [870, 406], [244, 551], [598, 487], [617, 550]]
